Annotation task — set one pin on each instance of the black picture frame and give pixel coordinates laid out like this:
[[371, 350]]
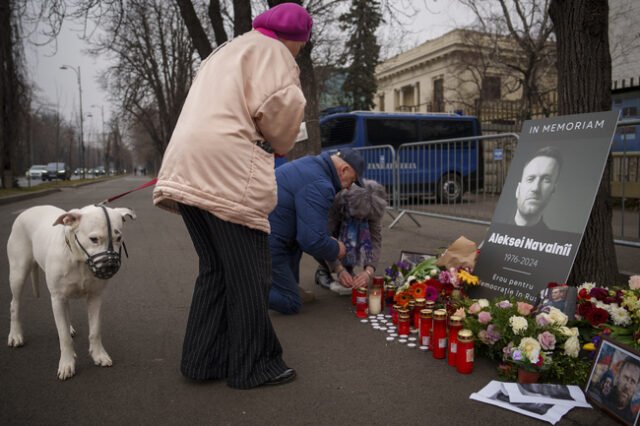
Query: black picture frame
[[605, 381], [412, 258]]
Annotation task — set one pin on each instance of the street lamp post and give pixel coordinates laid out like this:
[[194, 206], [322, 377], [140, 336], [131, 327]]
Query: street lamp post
[[104, 140], [77, 71]]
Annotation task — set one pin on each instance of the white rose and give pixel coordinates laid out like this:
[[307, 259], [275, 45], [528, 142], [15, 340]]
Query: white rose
[[529, 345], [556, 316], [484, 303], [572, 347], [586, 286], [570, 332], [518, 324], [434, 272]]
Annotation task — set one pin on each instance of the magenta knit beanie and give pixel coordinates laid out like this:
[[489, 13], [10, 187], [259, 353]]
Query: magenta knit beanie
[[289, 21]]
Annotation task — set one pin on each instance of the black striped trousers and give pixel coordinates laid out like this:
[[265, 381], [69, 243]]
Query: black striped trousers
[[229, 332]]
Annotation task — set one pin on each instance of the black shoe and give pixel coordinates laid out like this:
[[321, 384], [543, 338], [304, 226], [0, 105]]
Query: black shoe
[[323, 278], [288, 375]]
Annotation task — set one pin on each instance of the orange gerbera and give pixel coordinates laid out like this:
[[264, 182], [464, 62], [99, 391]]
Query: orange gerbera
[[402, 298], [418, 289]]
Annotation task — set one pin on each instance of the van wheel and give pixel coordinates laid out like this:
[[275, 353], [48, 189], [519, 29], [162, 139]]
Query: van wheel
[[450, 188]]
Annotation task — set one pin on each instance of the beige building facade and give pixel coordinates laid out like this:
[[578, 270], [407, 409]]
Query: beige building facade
[[447, 74]]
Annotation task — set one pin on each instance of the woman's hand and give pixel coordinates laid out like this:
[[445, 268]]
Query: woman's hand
[[361, 280], [345, 279]]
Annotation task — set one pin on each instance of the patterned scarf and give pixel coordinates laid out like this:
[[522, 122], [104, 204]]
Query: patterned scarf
[[355, 235]]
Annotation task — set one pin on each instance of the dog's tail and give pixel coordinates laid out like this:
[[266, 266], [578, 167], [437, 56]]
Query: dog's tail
[[35, 279]]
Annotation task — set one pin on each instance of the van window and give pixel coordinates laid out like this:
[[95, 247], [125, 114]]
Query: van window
[[391, 131], [338, 131], [431, 130]]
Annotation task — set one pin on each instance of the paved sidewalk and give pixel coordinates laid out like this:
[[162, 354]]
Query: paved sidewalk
[[347, 372]]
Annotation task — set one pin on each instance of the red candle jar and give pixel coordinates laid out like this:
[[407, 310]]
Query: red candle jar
[[389, 294], [403, 311], [455, 325], [464, 358], [411, 307], [403, 324], [426, 316], [394, 314], [417, 310], [354, 296], [430, 304], [439, 338], [361, 303]]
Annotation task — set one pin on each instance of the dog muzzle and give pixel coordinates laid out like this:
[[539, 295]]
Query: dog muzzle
[[105, 264]]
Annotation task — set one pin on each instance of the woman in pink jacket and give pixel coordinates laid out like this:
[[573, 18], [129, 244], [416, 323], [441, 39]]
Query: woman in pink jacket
[[244, 105]]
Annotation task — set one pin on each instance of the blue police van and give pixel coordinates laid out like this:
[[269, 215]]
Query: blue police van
[[397, 149]]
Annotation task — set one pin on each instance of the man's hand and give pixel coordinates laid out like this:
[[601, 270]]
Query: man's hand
[[342, 250]]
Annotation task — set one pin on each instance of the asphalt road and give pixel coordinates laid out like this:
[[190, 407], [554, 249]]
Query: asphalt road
[[347, 372]]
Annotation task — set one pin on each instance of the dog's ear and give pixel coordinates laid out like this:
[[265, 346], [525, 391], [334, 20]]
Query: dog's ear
[[68, 219], [125, 212]]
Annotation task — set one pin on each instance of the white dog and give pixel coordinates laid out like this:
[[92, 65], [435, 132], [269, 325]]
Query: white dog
[[77, 258]]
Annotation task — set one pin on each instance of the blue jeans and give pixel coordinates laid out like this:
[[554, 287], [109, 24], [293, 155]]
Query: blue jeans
[[284, 296]]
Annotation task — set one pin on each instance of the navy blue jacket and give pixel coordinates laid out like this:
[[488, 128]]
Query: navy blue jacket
[[306, 190]]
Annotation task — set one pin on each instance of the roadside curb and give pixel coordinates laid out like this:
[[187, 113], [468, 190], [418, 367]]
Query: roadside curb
[[35, 194], [27, 196]]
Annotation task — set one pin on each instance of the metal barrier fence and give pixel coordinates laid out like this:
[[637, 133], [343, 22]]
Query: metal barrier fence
[[625, 188], [418, 181], [459, 179]]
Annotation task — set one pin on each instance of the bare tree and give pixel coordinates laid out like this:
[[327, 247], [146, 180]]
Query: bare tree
[[154, 63], [584, 79], [12, 89], [531, 53]]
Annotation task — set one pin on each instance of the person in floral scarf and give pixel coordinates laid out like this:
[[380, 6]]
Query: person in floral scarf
[[356, 220]]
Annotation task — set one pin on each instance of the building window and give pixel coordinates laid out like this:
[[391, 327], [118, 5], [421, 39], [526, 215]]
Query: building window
[[491, 89], [381, 102], [438, 95]]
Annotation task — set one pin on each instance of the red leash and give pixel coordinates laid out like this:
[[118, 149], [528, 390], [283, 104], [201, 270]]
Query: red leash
[[108, 200]]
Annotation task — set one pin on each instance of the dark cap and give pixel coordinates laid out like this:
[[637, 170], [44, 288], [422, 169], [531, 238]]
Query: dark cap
[[355, 160]]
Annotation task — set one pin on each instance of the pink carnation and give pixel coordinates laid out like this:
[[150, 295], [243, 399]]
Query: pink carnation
[[475, 308], [524, 308], [634, 282], [460, 313], [547, 341], [484, 317]]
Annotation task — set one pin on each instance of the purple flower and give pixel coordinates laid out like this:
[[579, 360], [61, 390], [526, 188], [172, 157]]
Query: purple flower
[[517, 355], [542, 320], [506, 351], [444, 277], [504, 304], [389, 271], [493, 334], [484, 337], [402, 265]]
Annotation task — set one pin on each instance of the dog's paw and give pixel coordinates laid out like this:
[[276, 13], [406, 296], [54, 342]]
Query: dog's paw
[[101, 357], [66, 368], [15, 339]]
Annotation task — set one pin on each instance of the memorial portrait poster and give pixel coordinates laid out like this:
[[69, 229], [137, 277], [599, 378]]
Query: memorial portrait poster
[[545, 205]]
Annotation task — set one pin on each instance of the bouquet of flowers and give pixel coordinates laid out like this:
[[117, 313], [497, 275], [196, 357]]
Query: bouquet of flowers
[[396, 274], [509, 331], [614, 311], [528, 355]]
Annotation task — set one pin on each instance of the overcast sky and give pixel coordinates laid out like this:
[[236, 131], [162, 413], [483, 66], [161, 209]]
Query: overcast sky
[[59, 88]]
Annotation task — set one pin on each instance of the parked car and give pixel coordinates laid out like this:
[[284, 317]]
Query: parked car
[[99, 171], [36, 171], [55, 171]]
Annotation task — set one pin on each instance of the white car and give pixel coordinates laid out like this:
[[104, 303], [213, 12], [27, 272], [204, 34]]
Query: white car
[[36, 171]]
